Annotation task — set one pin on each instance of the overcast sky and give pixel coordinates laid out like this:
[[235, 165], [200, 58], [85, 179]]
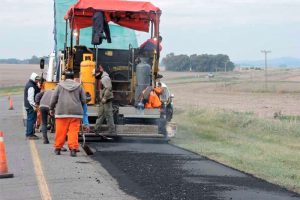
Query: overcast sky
[[238, 28]]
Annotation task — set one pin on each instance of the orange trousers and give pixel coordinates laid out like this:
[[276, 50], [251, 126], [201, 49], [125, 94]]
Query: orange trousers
[[64, 127], [38, 119]]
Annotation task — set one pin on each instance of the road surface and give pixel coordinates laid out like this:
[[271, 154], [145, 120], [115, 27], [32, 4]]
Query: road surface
[[122, 169]]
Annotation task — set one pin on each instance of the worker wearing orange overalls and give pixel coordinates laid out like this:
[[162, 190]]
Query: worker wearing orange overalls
[[153, 100], [158, 89], [67, 99]]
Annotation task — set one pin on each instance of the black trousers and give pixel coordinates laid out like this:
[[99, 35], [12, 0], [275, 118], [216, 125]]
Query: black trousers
[[44, 113]]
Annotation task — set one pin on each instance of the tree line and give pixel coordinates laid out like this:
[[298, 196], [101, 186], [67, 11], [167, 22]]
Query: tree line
[[199, 63], [33, 60]]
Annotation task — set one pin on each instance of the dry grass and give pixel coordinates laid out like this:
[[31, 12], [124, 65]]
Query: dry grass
[[11, 90]]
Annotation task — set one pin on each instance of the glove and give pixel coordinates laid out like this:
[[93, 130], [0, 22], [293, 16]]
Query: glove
[[86, 128], [103, 100], [36, 108]]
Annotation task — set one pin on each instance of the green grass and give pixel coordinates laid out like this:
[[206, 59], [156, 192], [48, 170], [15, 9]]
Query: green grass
[[11, 90], [269, 149]]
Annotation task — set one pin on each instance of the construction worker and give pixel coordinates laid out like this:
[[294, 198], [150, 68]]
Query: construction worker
[[38, 113], [43, 100], [85, 117], [105, 105], [153, 100], [151, 44], [67, 99], [158, 89], [30, 91], [148, 48]]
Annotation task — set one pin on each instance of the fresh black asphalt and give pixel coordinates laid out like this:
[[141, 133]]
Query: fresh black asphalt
[[153, 170]]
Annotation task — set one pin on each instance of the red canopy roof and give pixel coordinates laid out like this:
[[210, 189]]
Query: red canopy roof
[[132, 14]]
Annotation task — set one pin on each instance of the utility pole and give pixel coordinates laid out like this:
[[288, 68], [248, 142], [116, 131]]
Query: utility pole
[[266, 68], [226, 64], [190, 63]]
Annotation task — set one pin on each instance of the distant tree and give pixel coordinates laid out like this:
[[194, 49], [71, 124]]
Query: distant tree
[[200, 63], [176, 63], [10, 61], [34, 60]]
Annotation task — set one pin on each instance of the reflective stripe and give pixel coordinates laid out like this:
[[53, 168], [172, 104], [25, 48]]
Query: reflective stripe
[[1, 139]]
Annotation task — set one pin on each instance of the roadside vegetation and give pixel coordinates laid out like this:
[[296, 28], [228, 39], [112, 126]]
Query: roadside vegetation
[[11, 90], [266, 148]]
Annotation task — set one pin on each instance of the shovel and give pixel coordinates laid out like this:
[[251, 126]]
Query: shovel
[[84, 146]]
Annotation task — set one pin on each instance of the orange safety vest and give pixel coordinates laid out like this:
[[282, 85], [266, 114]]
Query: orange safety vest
[[153, 101]]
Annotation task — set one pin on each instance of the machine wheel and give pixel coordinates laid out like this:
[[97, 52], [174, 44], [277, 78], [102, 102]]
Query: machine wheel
[[169, 113]]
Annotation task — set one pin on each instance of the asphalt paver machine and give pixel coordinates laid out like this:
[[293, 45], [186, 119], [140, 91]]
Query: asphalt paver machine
[[102, 32]]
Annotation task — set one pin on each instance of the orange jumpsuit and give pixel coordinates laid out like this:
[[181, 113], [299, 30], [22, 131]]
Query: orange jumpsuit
[[64, 126], [153, 101], [38, 119]]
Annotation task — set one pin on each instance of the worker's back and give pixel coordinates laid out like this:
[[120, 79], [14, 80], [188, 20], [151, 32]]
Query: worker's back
[[153, 101]]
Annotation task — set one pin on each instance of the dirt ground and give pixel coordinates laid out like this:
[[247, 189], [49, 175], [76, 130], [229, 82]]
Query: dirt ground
[[15, 75], [210, 94]]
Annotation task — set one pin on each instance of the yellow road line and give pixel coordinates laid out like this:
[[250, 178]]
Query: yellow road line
[[44, 190]]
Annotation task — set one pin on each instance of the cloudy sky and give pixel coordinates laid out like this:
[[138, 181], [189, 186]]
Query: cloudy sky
[[238, 28]]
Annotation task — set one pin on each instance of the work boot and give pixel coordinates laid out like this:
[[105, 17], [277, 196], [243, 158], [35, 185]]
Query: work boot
[[46, 141], [57, 151], [63, 149], [73, 152], [45, 138], [32, 137]]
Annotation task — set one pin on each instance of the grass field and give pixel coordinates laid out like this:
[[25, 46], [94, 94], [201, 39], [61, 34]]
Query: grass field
[[230, 119], [11, 90]]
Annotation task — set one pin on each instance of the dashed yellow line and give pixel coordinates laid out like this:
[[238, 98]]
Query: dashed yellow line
[[44, 190]]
